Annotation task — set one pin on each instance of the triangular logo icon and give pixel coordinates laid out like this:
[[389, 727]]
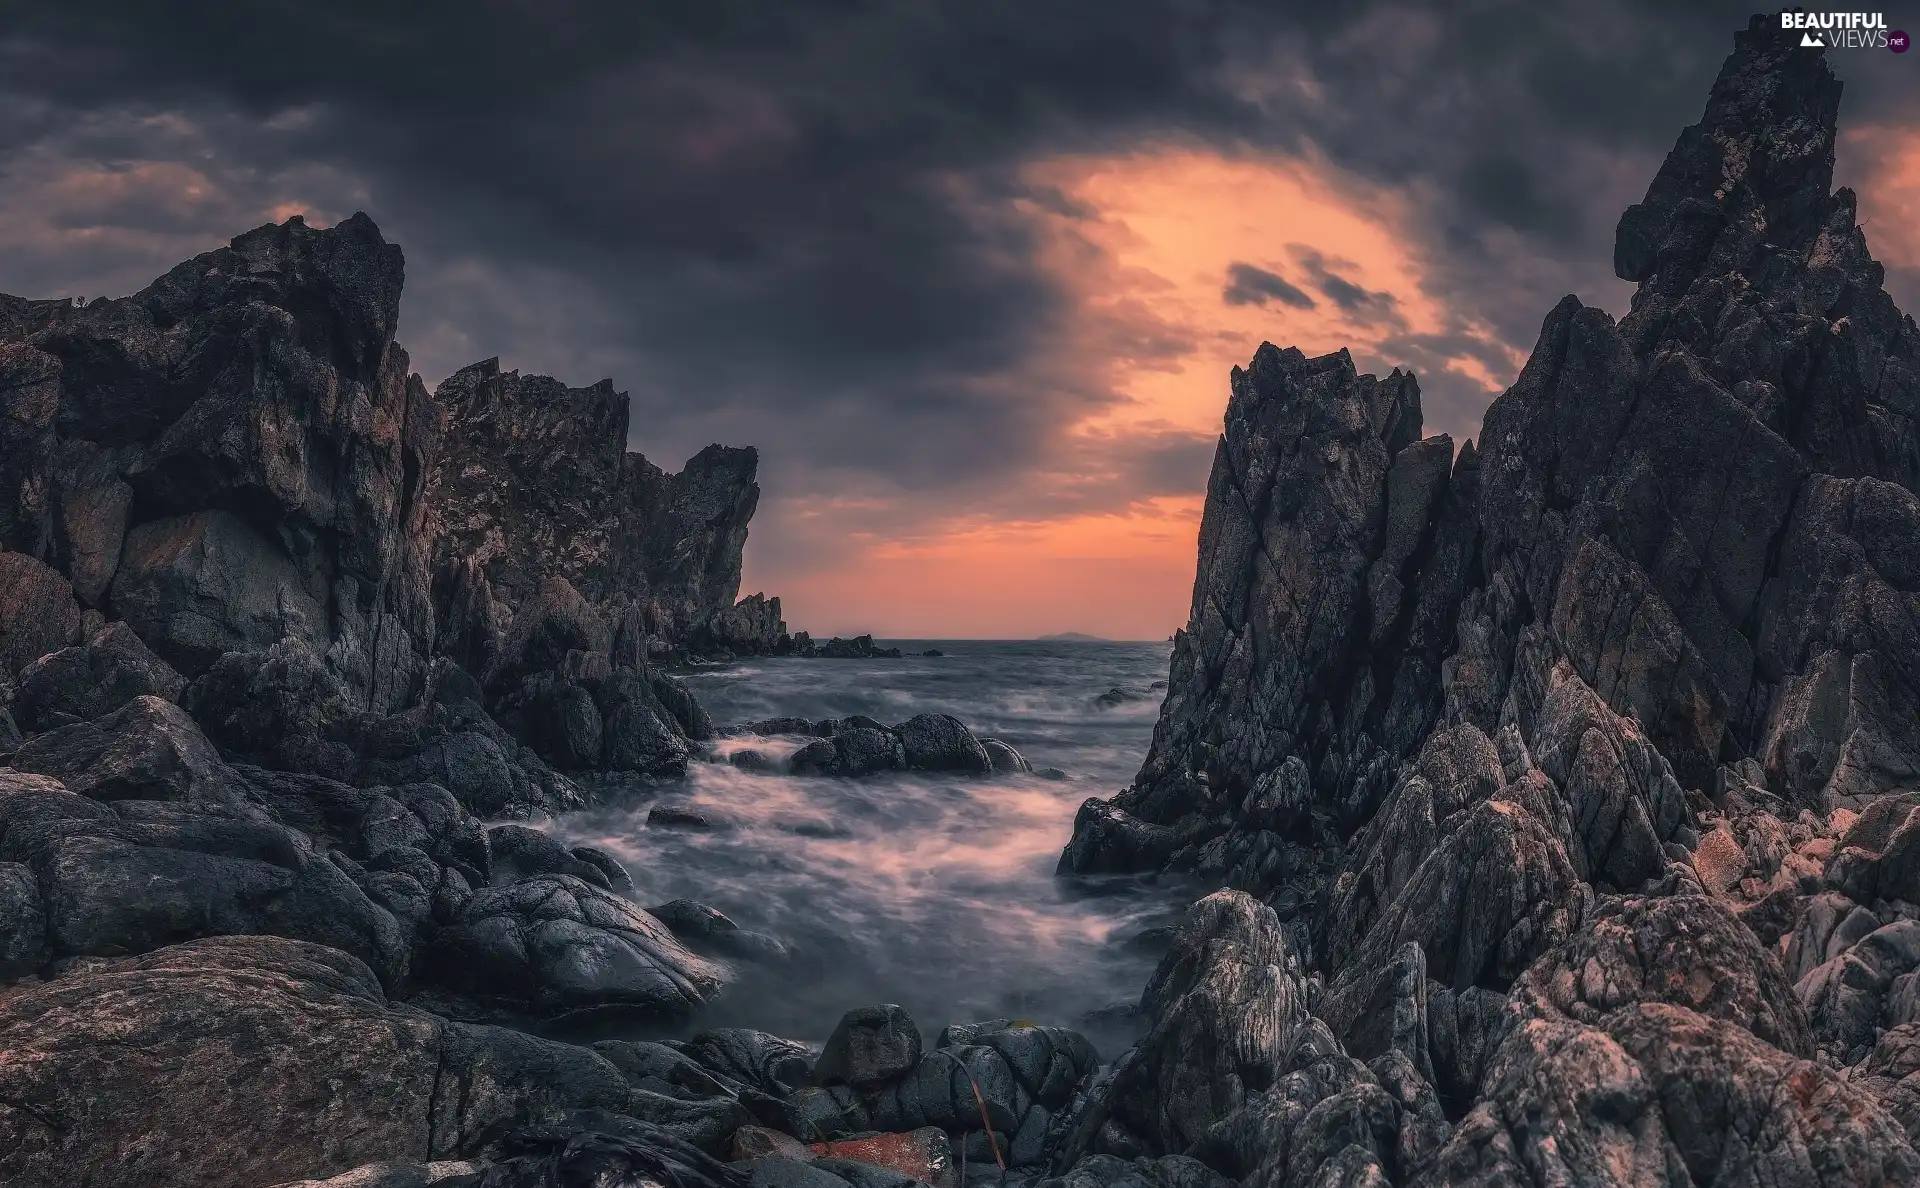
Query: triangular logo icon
[[1809, 41]]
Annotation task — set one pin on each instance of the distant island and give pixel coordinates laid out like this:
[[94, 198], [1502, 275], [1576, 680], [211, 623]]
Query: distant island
[[1073, 637]]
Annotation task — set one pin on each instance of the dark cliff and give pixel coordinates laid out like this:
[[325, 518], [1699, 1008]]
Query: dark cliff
[[533, 480], [253, 404], [237, 462], [1550, 769]]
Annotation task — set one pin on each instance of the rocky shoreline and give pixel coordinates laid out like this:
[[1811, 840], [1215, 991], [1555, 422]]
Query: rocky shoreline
[[1562, 790]]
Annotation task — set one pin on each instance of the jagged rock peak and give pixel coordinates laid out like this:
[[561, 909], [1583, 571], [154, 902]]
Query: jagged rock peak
[[535, 481]]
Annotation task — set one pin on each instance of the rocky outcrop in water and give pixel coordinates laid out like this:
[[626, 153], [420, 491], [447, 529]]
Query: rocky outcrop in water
[[1572, 771], [860, 746], [533, 482]]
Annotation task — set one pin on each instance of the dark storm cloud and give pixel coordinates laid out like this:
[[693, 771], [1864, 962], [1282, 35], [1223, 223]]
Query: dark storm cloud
[[799, 224], [1247, 285], [1362, 305]]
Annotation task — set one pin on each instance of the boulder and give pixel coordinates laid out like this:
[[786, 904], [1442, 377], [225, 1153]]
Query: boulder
[[278, 707], [1005, 760], [941, 742], [520, 853], [148, 749], [92, 679], [254, 1060], [708, 928], [868, 1048], [564, 949], [1107, 838], [38, 614], [762, 1062]]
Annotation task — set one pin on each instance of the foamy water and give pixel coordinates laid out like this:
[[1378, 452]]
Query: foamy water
[[935, 893]]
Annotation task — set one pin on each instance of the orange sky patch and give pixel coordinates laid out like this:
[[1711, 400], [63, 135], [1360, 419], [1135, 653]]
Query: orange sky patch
[[1122, 576], [1887, 161], [1143, 243], [1171, 223]]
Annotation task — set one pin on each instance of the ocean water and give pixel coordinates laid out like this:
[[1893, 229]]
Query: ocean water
[[934, 892]]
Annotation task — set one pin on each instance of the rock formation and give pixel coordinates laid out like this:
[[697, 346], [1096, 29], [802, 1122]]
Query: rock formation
[[1564, 782], [292, 537], [1564, 789]]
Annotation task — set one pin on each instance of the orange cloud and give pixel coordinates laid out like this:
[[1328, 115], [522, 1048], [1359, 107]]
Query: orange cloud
[[1146, 246], [1169, 228]]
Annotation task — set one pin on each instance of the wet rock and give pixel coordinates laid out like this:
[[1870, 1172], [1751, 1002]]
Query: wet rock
[[751, 759], [776, 1172], [709, 928], [759, 1142], [869, 1047], [765, 1063], [616, 875], [1005, 760], [238, 1110], [677, 816], [92, 679], [816, 758], [1106, 838], [851, 747], [864, 750], [940, 742], [521, 853], [564, 949]]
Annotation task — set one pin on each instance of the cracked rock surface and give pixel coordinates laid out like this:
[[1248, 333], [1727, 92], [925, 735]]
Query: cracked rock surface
[[1574, 770]]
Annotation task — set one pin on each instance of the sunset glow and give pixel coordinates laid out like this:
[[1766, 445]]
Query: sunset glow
[[1147, 244]]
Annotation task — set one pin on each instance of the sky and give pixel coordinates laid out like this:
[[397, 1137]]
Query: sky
[[971, 274]]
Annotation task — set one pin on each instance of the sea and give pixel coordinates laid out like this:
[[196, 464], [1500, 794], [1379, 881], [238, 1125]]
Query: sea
[[934, 892]]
